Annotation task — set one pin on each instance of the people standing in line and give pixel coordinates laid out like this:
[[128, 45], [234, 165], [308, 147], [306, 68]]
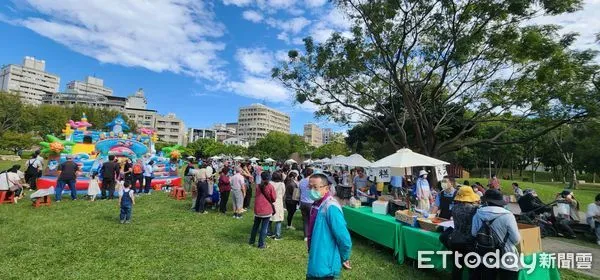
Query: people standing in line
[[277, 218], [263, 210], [33, 170], [10, 182], [593, 217], [238, 191], [202, 179], [423, 191], [305, 200], [329, 242], [444, 201], [67, 176], [110, 170], [466, 203], [148, 176], [126, 201], [249, 180], [224, 189], [503, 224], [292, 197]]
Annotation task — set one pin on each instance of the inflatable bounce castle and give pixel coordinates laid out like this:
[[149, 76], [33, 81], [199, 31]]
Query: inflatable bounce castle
[[91, 148]]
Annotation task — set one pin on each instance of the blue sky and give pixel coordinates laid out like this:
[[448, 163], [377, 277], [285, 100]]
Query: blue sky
[[199, 59]]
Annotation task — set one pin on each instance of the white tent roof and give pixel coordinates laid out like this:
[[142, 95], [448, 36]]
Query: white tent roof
[[309, 161], [407, 158], [215, 157], [325, 160], [238, 158], [337, 160], [253, 159], [269, 160], [355, 160], [290, 160]]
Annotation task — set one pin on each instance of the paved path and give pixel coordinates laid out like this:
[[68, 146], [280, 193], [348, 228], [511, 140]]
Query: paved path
[[558, 245]]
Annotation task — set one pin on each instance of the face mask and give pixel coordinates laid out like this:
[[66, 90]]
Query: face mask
[[315, 195]]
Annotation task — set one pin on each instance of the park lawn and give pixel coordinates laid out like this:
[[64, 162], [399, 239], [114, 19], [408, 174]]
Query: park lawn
[[84, 240], [547, 191]]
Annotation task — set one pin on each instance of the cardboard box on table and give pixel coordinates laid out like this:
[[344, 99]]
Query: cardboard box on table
[[531, 239]]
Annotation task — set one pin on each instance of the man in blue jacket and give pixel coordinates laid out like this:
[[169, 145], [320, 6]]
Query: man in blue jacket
[[329, 242]]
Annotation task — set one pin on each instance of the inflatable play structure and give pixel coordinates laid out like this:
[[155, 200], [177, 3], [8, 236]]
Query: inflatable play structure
[[91, 148]]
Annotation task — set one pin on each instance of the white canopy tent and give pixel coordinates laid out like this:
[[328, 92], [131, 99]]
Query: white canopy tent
[[407, 158], [325, 160], [269, 160], [253, 159], [355, 160], [238, 158], [337, 160], [309, 161], [215, 157], [290, 161]]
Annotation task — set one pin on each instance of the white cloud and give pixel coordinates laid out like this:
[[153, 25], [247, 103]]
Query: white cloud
[[255, 61], [338, 19], [164, 35], [239, 3], [315, 3], [277, 4], [253, 16], [586, 22], [283, 37], [261, 88], [294, 25]]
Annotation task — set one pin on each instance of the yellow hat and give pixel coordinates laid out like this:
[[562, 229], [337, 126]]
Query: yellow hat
[[466, 194]]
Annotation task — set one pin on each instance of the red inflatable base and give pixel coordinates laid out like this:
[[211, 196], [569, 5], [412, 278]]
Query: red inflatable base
[[82, 183]]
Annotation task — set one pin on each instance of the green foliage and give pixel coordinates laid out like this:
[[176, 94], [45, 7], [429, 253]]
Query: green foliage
[[204, 148], [330, 149], [15, 141], [429, 74], [279, 146], [49, 119]]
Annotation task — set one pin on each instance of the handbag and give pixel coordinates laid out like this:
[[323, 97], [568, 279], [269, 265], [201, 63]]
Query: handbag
[[296, 193]]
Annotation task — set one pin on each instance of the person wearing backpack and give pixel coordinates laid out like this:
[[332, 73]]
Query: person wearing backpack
[[495, 228], [33, 170], [137, 176], [466, 203]]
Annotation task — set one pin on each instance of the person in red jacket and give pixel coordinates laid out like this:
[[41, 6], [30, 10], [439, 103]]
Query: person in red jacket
[[263, 209], [224, 189]]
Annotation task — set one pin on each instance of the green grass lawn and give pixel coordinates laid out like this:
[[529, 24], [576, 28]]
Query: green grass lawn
[[547, 191], [84, 240]]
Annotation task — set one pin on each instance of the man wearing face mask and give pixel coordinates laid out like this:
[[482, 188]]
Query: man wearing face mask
[[423, 191], [329, 242], [445, 199]]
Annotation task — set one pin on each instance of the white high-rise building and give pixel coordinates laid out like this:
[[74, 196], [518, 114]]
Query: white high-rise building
[[137, 100], [91, 85], [194, 134], [30, 80], [257, 120]]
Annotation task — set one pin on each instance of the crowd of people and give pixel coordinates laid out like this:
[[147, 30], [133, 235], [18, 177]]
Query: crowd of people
[[280, 190]]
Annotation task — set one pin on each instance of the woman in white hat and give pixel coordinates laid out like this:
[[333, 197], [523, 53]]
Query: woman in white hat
[[423, 191]]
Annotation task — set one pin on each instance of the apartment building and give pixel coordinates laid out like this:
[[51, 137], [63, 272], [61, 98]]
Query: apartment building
[[85, 99], [313, 135], [170, 129], [223, 131], [194, 134], [236, 141], [91, 85], [142, 117], [137, 100], [257, 120], [30, 80]]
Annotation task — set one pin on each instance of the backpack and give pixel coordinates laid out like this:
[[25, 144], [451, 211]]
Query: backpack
[[31, 170], [487, 240], [137, 169]]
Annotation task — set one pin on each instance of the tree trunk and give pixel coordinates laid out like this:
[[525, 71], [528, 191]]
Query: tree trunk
[[594, 177], [511, 170]]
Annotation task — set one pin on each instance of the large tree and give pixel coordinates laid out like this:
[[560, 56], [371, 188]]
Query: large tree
[[427, 73]]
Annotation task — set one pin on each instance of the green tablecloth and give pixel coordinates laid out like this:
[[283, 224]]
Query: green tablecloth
[[381, 229], [413, 240], [407, 241]]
